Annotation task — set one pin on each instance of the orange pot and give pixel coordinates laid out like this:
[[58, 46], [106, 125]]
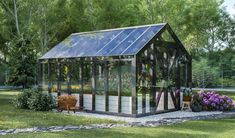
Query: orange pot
[[187, 98]]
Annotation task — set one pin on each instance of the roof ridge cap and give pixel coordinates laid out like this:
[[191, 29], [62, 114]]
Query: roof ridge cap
[[113, 29]]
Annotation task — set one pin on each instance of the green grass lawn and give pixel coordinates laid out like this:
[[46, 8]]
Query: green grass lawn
[[11, 117], [223, 128], [15, 118]]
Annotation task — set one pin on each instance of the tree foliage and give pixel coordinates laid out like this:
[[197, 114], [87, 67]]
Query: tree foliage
[[29, 28]]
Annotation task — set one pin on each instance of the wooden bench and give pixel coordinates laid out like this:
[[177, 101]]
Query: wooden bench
[[67, 102]]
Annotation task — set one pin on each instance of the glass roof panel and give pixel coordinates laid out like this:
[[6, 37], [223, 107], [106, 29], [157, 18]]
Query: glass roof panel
[[140, 43], [107, 48], [131, 38], [113, 42], [94, 42]]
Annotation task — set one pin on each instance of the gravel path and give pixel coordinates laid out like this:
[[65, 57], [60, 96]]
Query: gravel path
[[176, 114]]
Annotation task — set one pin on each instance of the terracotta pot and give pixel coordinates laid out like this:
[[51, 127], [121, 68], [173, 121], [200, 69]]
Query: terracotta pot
[[187, 98]]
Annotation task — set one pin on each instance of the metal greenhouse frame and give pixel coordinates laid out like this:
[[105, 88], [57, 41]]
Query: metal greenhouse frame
[[132, 71]]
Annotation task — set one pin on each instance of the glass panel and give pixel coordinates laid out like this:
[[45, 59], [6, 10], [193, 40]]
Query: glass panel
[[172, 67], [64, 77], [96, 41], [53, 77], [128, 41], [148, 99], [167, 71], [140, 43], [113, 78], [165, 36], [144, 80], [75, 77], [166, 60], [156, 73], [45, 77], [100, 78], [126, 78], [139, 100], [183, 80], [87, 74], [86, 44], [104, 43], [106, 49], [71, 51]]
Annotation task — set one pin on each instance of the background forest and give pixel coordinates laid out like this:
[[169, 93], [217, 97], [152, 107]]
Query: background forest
[[29, 28]]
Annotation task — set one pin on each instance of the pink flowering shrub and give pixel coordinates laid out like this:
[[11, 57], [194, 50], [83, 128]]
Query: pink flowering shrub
[[213, 101]]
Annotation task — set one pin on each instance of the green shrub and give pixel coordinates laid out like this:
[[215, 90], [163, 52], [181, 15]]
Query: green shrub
[[35, 100], [196, 103], [21, 100]]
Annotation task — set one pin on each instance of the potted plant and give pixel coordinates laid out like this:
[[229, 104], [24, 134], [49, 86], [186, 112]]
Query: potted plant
[[196, 104], [187, 94]]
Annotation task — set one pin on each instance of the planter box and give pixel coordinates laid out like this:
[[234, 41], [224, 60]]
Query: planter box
[[77, 98], [126, 104], [113, 104], [87, 101], [99, 103], [147, 103], [139, 105]]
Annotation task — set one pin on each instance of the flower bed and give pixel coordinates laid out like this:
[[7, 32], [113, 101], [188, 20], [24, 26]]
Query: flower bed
[[212, 101]]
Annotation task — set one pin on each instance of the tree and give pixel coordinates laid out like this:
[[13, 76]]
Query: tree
[[113, 13], [22, 54], [205, 29], [203, 75], [226, 31]]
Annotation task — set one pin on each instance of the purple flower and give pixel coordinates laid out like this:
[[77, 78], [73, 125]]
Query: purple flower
[[221, 100], [205, 101], [213, 104], [211, 99], [229, 101], [225, 97], [214, 101], [232, 105], [225, 105], [221, 108], [177, 92]]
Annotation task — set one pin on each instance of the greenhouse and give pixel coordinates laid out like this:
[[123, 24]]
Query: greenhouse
[[132, 71]]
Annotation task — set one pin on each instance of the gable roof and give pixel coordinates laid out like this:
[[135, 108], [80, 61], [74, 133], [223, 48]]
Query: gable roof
[[112, 42]]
